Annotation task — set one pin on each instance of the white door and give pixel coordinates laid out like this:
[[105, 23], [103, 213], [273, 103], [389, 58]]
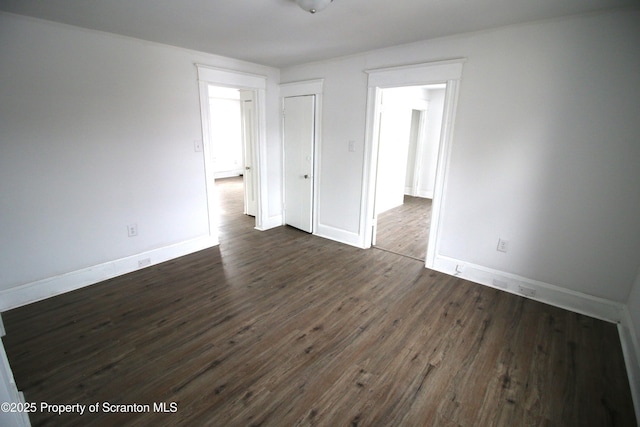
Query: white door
[[248, 139], [299, 130]]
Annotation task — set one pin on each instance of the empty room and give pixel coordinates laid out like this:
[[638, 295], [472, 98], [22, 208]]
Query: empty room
[[317, 212]]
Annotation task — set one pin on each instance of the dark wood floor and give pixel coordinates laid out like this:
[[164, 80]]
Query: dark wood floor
[[404, 230], [282, 328]]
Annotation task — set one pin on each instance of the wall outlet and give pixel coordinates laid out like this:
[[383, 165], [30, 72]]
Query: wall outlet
[[503, 245], [352, 146], [197, 145], [132, 230], [527, 292], [144, 262]]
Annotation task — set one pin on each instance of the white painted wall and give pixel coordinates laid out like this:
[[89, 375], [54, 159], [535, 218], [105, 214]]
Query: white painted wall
[[97, 132], [226, 136], [414, 137], [426, 183], [545, 150], [393, 147]]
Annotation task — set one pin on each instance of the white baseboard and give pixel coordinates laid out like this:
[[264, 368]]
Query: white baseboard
[[578, 302], [271, 222], [420, 193], [52, 286], [631, 350], [425, 194], [228, 174], [339, 235]]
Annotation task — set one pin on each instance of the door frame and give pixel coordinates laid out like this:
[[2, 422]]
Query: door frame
[[449, 72], [243, 81], [248, 151], [303, 88], [420, 141]]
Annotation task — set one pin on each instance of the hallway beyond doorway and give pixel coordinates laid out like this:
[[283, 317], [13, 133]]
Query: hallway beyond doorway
[[404, 230]]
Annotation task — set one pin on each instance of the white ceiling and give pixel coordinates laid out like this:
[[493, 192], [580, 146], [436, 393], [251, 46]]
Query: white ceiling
[[279, 33]]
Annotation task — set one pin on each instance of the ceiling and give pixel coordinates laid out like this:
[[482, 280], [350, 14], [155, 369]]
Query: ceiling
[[280, 34]]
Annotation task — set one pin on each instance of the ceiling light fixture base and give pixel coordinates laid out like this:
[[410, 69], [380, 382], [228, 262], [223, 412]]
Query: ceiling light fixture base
[[313, 6]]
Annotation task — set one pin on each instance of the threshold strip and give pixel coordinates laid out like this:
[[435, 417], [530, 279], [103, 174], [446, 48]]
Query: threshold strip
[[397, 253]]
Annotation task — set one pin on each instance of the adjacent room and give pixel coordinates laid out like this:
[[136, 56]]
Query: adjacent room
[[316, 212]]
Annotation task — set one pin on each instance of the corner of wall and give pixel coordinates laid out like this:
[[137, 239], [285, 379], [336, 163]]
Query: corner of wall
[[631, 350]]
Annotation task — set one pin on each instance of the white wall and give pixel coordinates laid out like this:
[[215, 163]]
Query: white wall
[[226, 136], [393, 147], [97, 132], [545, 149], [426, 183]]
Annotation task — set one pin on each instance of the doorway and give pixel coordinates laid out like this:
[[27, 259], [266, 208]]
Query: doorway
[[408, 146], [299, 147], [232, 136], [448, 72]]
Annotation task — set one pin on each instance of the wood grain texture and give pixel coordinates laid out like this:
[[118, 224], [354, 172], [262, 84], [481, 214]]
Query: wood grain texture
[[404, 230], [281, 328]]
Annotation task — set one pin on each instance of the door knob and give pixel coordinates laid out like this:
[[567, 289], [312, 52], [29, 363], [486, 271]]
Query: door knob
[[306, 176], [247, 167]]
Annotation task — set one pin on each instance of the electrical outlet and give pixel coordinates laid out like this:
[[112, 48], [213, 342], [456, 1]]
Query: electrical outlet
[[144, 262], [352, 146], [503, 245], [132, 230], [197, 145]]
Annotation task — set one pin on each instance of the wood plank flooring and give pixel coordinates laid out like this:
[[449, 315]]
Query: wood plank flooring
[[281, 328], [404, 230]]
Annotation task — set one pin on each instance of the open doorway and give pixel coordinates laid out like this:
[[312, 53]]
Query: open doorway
[[232, 138], [448, 72], [408, 147]]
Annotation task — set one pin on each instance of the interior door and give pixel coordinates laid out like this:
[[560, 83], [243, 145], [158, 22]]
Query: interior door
[[299, 140], [248, 139]]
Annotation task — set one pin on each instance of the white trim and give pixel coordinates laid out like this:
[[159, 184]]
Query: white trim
[[271, 222], [339, 235], [442, 170], [50, 287], [416, 74], [631, 350], [246, 81], [367, 203], [224, 77], [9, 394], [420, 193], [304, 88], [557, 296], [210, 188]]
